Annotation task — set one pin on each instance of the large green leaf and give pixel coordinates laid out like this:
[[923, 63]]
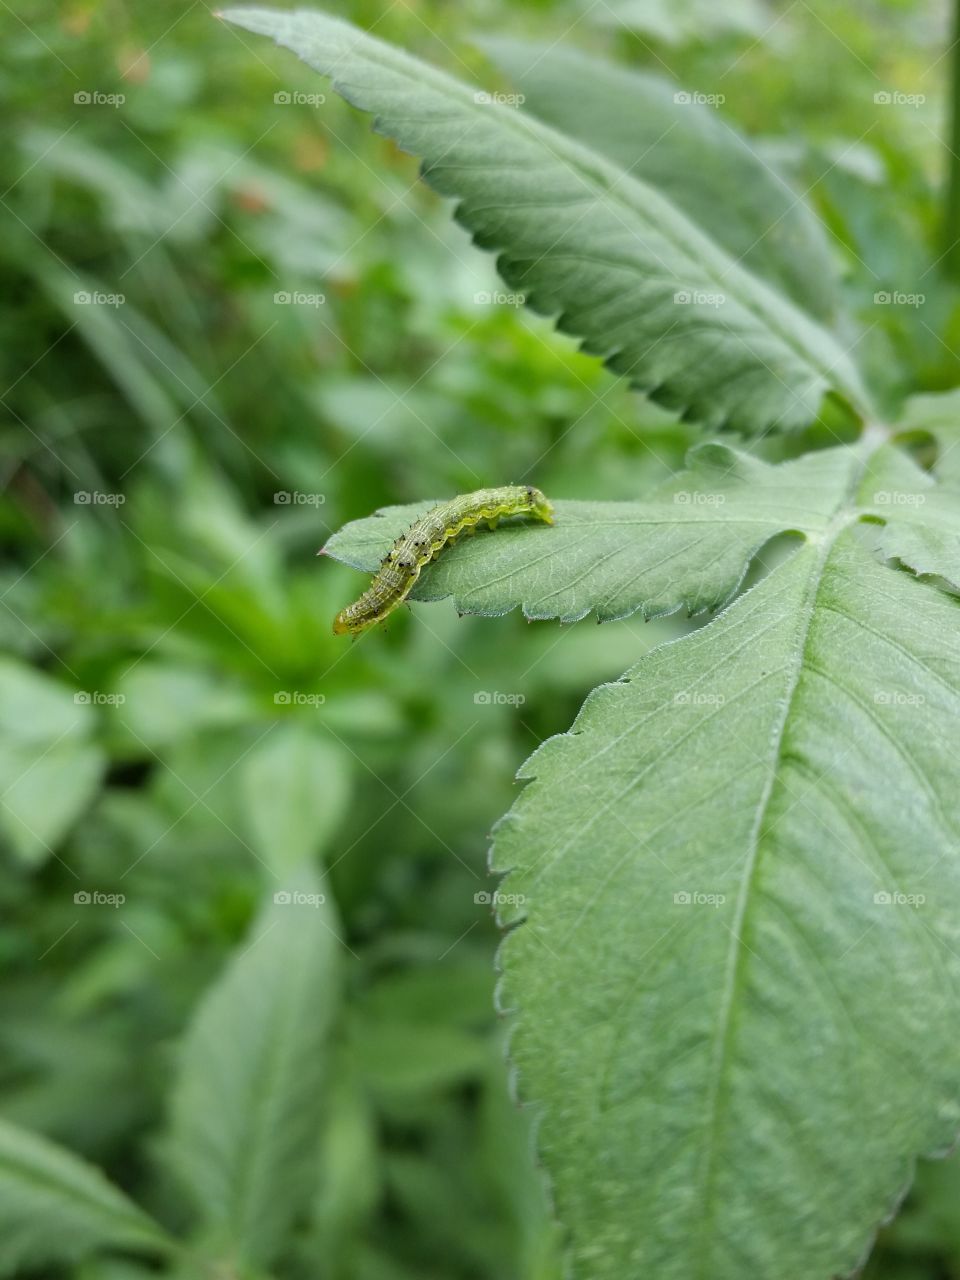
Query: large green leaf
[[248, 1102], [621, 266], [55, 1208], [733, 1075], [736, 984], [687, 546], [657, 131]]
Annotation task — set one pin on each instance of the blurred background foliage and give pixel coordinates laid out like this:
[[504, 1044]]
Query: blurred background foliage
[[234, 322]]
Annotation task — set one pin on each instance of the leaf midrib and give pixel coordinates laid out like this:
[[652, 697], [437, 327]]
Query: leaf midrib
[[736, 959]]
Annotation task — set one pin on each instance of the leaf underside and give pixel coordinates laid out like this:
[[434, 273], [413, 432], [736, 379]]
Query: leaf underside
[[652, 128], [741, 1067], [686, 547], [622, 268]]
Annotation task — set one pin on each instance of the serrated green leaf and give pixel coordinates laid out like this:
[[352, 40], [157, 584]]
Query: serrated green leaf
[[55, 1208], [620, 265], [735, 987], [921, 517], [248, 1101], [688, 546], [658, 131]]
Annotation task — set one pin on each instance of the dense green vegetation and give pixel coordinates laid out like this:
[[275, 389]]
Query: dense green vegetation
[[247, 991]]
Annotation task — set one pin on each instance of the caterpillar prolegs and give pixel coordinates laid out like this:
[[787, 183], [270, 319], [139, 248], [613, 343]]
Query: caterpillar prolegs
[[426, 538]]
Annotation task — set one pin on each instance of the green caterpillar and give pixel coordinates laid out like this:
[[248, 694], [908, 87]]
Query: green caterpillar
[[424, 541]]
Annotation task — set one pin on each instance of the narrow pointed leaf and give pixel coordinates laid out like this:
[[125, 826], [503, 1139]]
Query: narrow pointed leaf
[[248, 1101], [43, 1186], [620, 266]]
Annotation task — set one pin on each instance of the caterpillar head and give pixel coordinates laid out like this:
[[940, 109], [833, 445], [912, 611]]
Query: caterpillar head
[[539, 506], [350, 621]]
